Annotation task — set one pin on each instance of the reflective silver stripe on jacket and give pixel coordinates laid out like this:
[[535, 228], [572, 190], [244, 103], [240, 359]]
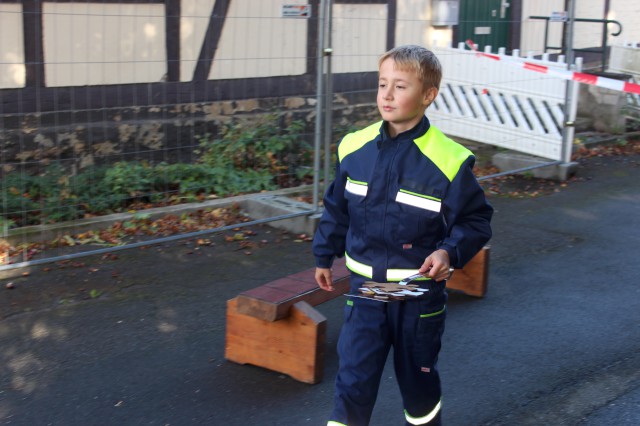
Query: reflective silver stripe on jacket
[[358, 188], [367, 271], [422, 202]]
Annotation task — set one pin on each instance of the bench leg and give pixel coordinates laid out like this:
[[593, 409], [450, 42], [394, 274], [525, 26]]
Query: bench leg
[[473, 278], [293, 345]]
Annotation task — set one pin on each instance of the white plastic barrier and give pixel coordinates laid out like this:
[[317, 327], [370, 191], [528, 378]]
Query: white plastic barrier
[[494, 103]]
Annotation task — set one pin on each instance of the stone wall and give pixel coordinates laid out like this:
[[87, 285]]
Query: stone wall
[[602, 108], [78, 140]]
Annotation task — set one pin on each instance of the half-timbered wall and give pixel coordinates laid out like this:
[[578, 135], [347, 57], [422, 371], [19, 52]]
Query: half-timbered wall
[[87, 82]]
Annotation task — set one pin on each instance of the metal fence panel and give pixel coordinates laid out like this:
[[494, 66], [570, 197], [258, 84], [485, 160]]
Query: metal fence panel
[[165, 113]]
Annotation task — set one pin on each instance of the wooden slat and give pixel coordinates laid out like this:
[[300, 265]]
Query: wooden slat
[[270, 304], [272, 301]]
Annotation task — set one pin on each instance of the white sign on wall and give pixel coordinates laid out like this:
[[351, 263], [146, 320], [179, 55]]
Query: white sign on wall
[[482, 30], [296, 11], [559, 16]]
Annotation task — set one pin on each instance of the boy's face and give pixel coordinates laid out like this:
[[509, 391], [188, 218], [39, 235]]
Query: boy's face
[[401, 97]]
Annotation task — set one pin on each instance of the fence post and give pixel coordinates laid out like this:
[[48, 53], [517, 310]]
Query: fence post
[[328, 106], [571, 97], [571, 109], [319, 105]]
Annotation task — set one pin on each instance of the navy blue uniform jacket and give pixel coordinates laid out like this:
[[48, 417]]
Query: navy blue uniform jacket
[[396, 200]]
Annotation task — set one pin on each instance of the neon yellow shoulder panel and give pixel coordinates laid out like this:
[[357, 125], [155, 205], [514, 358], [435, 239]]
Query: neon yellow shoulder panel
[[356, 140], [445, 153]]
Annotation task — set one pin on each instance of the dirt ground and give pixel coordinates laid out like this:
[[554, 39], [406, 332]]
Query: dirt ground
[[138, 336]]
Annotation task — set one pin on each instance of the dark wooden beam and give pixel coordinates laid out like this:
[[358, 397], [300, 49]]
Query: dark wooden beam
[[172, 41], [79, 98], [312, 38], [392, 7], [211, 40], [33, 51]]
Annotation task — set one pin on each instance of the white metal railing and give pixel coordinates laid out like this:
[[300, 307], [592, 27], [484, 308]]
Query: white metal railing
[[494, 103]]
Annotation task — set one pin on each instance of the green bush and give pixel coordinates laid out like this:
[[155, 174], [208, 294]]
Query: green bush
[[91, 195], [245, 159], [42, 198], [128, 180], [16, 197], [263, 155]]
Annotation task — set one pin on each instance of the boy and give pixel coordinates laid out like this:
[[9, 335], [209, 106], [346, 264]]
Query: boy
[[404, 201]]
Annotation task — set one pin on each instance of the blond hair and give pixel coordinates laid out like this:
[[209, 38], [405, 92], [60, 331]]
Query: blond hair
[[421, 61]]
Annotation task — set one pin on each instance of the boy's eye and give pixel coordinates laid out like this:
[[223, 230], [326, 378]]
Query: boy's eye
[[400, 87], [381, 85]]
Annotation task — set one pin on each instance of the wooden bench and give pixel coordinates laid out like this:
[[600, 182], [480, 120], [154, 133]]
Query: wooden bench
[[275, 326]]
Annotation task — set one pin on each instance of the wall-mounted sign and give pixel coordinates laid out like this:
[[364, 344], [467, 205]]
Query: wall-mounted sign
[[296, 11], [482, 30], [559, 16]]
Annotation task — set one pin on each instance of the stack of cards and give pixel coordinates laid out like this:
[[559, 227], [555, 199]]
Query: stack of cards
[[388, 292]]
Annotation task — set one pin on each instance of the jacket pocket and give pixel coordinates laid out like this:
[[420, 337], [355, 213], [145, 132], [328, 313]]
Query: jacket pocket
[[419, 201], [356, 188], [348, 310], [356, 194], [429, 336], [416, 213]]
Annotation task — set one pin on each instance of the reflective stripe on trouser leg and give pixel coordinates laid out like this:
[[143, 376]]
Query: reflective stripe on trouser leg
[[425, 419], [420, 324], [332, 423], [363, 347]]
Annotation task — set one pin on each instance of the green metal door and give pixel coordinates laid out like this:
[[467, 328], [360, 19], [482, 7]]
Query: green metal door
[[486, 22]]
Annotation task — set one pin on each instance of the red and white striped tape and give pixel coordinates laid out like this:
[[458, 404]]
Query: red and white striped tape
[[580, 77]]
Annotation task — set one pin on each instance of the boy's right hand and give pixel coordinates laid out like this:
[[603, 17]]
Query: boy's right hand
[[324, 278]]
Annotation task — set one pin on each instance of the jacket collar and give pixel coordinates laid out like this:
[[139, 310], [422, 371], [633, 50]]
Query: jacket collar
[[420, 129]]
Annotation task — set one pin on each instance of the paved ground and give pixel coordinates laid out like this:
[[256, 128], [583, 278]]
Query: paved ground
[[139, 339]]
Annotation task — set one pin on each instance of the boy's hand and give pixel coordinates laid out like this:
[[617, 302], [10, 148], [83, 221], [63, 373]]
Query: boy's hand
[[436, 266], [324, 278]]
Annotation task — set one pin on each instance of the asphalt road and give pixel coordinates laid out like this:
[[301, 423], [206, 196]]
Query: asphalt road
[[138, 339]]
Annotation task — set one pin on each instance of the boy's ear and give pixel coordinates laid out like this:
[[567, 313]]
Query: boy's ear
[[430, 95]]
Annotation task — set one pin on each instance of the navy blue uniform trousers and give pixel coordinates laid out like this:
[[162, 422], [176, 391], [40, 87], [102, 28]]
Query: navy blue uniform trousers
[[414, 328]]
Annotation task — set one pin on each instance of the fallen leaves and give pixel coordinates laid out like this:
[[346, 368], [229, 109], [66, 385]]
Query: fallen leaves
[[303, 238], [141, 226], [621, 148], [528, 186], [22, 251], [238, 236]]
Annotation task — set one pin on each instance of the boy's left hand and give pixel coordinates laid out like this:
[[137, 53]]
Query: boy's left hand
[[436, 266]]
